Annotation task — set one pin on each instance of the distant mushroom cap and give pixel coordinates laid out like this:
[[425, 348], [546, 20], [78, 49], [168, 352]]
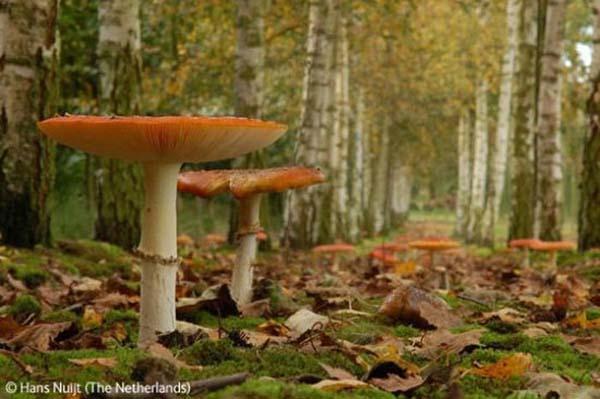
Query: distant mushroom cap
[[333, 248], [214, 238], [552, 246], [384, 257], [243, 183], [436, 245], [261, 236], [391, 247], [523, 243], [162, 138], [185, 240]]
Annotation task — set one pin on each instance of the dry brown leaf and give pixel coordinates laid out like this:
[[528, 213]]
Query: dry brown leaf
[[113, 300], [511, 366], [415, 306], [91, 318], [337, 373], [506, 315], [446, 342], [549, 385], [157, 350], [9, 327], [98, 361], [39, 336], [304, 320], [396, 383], [584, 344], [339, 385], [272, 327]]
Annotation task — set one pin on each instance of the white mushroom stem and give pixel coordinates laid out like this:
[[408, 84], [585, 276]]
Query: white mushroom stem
[[526, 259], [241, 281], [158, 249]]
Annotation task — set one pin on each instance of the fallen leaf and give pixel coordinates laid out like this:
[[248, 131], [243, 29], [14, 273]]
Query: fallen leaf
[[91, 318], [305, 320], [216, 299], [584, 344], [272, 327], [549, 385], [98, 361], [337, 373], [40, 336], [511, 366], [395, 383], [506, 315], [9, 327], [444, 341], [339, 385], [260, 308], [113, 300], [415, 306], [157, 350]]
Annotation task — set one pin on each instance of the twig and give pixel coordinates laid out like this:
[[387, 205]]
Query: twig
[[212, 384], [24, 367], [477, 301]]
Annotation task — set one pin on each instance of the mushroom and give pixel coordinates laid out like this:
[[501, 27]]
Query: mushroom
[[334, 250], [552, 247], [524, 244], [432, 246], [161, 144], [247, 186], [213, 240]]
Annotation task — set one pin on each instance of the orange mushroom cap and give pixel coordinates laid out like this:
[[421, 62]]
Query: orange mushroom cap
[[214, 239], [261, 236], [185, 240], [332, 248], [552, 246], [384, 257], [437, 245], [244, 183], [162, 138], [523, 243]]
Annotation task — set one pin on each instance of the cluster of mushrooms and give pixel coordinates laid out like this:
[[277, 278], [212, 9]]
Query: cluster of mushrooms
[[162, 145]]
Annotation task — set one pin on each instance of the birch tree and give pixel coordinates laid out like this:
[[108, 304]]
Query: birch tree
[[548, 129], [377, 198], [29, 59], [356, 153], [303, 208], [480, 160], [589, 211], [464, 174], [523, 109], [119, 192], [499, 156], [399, 190]]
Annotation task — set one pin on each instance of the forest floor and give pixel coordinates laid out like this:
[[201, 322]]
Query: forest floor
[[69, 314]]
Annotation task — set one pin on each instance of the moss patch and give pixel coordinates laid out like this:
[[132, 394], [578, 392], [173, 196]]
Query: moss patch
[[24, 306]]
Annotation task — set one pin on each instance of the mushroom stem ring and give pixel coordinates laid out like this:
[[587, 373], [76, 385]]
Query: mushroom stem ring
[[157, 259]]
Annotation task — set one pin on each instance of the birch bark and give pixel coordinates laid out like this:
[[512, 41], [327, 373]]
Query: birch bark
[[464, 175], [548, 146], [523, 109], [119, 193], [356, 172], [29, 59], [480, 160], [499, 156], [589, 211]]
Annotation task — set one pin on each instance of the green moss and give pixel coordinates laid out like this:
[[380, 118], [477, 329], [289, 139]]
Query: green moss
[[266, 389], [25, 305], [465, 328], [363, 331], [60, 316], [476, 387], [552, 353], [207, 319], [115, 315], [31, 275], [93, 258], [593, 313], [221, 358], [502, 327], [406, 331], [495, 340]]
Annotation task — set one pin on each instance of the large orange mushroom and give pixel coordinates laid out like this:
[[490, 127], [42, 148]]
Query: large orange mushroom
[[431, 246], [247, 186], [552, 247], [524, 244], [161, 144], [334, 250]]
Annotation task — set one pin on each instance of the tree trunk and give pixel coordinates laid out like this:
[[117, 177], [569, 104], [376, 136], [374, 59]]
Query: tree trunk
[[339, 162], [119, 194], [500, 149], [248, 85], [356, 162], [548, 146], [377, 200], [463, 199], [303, 207], [399, 190], [523, 108], [589, 211], [480, 160], [29, 59]]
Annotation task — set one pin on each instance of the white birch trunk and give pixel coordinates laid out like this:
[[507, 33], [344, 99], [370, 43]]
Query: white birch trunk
[[480, 160], [29, 59], [355, 205], [379, 184], [548, 146], [463, 199], [499, 157], [399, 189], [303, 206]]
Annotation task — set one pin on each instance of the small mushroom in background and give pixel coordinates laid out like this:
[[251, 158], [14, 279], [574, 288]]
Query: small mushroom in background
[[524, 245], [247, 186], [335, 250], [552, 247], [161, 145], [431, 246], [213, 240], [387, 251], [183, 240]]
